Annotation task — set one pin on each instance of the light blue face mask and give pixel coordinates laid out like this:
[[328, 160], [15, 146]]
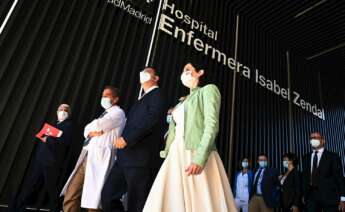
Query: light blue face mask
[[285, 164], [244, 164], [263, 164], [106, 102], [169, 119]]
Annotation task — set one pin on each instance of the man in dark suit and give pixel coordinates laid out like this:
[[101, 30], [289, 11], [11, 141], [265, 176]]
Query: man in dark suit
[[48, 165], [323, 183], [138, 158], [265, 192]]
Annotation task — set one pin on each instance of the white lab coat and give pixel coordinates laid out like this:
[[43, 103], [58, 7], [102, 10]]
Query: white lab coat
[[100, 156]]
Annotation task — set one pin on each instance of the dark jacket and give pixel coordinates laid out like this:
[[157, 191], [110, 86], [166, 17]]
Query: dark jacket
[[54, 151], [270, 187], [144, 132], [291, 190], [329, 180]]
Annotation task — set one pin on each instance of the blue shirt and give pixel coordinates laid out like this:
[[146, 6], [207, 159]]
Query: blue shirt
[[258, 188]]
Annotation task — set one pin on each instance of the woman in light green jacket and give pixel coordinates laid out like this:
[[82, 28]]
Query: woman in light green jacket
[[192, 177]]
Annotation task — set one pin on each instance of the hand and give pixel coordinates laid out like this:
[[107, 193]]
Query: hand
[[294, 208], [193, 169], [95, 133], [120, 143], [44, 139], [342, 206]]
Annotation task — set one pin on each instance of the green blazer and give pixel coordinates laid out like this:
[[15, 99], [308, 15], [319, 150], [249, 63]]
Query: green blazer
[[201, 123]]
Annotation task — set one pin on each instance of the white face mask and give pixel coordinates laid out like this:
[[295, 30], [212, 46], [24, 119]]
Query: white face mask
[[169, 118], [244, 164], [62, 115], [263, 164], [285, 164], [106, 102], [315, 143], [144, 77], [188, 80]]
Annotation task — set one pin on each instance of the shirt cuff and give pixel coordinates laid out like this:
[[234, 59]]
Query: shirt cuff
[[342, 198]]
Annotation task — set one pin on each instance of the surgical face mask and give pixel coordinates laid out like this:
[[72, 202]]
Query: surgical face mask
[[244, 164], [263, 164], [187, 79], [169, 119], [62, 115], [144, 77], [106, 102], [285, 164], [315, 143]]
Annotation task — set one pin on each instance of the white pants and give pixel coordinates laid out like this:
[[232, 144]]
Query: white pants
[[242, 204]]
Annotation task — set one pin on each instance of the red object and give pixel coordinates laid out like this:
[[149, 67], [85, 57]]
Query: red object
[[48, 130]]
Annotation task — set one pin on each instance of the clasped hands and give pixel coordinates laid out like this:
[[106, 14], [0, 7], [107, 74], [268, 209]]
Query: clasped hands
[[95, 133]]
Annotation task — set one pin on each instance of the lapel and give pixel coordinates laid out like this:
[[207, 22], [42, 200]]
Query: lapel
[[140, 101], [288, 179], [322, 161], [308, 164]]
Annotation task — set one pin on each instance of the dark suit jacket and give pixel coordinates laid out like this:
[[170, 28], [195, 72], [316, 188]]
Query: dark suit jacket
[[144, 132], [291, 190], [54, 151], [270, 187], [329, 182]]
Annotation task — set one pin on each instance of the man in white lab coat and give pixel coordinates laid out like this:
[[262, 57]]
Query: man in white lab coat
[[84, 186]]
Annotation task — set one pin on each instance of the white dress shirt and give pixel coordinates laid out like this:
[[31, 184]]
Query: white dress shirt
[[319, 155], [258, 188], [143, 93]]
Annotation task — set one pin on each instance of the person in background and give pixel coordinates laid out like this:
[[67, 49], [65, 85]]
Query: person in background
[[323, 184], [48, 164], [265, 192], [84, 186], [291, 184], [243, 185]]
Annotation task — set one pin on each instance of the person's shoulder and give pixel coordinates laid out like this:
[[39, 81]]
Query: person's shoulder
[[66, 123], [295, 171], [306, 155], [210, 87], [272, 170], [331, 154], [210, 90], [117, 110]]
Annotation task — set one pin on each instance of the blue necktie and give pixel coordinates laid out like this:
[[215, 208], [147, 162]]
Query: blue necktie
[[87, 140]]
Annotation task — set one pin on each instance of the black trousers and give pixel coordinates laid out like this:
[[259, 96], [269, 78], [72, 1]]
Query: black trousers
[[136, 181], [46, 177], [315, 204]]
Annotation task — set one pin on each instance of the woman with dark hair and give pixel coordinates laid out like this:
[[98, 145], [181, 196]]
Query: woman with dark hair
[[243, 185], [192, 177], [291, 185]]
